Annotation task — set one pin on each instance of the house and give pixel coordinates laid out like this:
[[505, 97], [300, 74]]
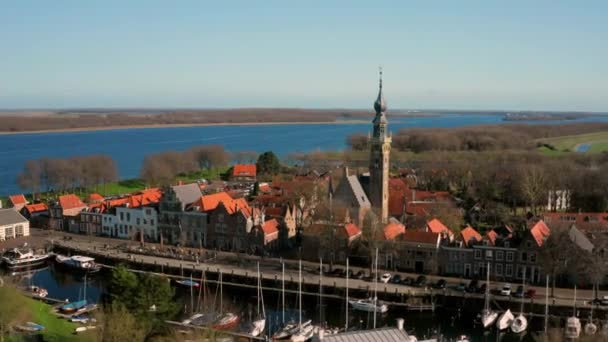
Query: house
[[469, 236], [36, 209], [393, 231], [172, 209], [94, 198], [436, 226], [286, 217], [586, 222], [126, 222], [231, 223], [265, 237], [330, 241], [417, 252], [17, 202], [65, 213], [13, 225], [244, 173]]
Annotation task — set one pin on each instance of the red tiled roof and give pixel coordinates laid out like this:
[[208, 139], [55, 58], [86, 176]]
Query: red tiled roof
[[469, 234], [583, 221], [419, 236], [244, 170], [492, 235], [17, 199], [540, 232], [95, 197], [36, 207], [437, 226], [210, 202], [70, 201], [351, 230], [270, 227], [419, 209], [393, 230]]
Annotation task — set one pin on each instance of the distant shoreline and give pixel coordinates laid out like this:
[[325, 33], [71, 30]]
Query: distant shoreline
[[152, 126]]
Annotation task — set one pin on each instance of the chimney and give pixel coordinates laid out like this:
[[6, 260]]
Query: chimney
[[400, 322]]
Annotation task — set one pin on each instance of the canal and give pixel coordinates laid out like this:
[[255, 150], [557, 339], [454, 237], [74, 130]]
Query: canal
[[447, 321]]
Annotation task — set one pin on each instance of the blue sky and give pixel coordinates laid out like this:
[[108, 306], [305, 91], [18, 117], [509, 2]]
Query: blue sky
[[436, 54]]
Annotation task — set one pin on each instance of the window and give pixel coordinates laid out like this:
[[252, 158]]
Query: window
[[532, 257], [509, 256], [122, 217], [509, 270], [523, 257], [488, 255], [499, 255], [148, 212], [152, 222], [477, 254], [137, 220], [129, 217], [145, 221], [498, 269]]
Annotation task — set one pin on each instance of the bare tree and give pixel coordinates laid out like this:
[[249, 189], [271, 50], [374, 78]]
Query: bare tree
[[533, 186], [31, 176]]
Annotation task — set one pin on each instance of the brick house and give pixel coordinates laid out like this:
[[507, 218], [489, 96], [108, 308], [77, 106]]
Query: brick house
[[172, 208], [64, 214], [418, 252], [231, 223], [265, 237], [244, 173]]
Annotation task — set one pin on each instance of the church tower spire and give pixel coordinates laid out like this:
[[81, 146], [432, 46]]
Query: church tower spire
[[379, 161]]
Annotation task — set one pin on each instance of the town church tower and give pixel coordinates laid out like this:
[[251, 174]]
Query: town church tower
[[380, 149]]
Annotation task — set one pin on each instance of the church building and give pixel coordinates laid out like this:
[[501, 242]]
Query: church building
[[362, 193]]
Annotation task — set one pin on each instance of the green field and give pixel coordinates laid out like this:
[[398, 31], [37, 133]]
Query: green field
[[570, 143]]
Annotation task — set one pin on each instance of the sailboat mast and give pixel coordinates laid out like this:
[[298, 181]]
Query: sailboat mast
[[376, 288], [300, 294], [320, 290], [191, 295], [258, 289], [487, 303], [283, 290], [546, 304], [346, 320], [221, 295], [523, 286]]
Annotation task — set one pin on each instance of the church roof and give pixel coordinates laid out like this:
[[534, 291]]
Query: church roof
[[358, 192]]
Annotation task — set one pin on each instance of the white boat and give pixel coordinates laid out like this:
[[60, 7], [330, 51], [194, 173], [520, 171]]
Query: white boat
[[487, 316], [368, 305], [288, 330], [78, 262], [37, 291], [192, 318], [463, 338], [604, 331], [504, 321], [15, 258], [303, 333], [520, 324], [573, 328], [590, 328], [257, 327], [30, 327]]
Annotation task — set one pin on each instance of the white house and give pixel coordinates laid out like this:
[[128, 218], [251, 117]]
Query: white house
[[127, 223], [558, 200], [13, 225]]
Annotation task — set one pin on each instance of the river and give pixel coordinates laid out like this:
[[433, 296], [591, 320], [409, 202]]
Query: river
[[449, 322], [128, 147]]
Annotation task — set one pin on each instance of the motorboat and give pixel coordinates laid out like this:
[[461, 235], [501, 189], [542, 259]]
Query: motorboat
[[227, 321], [573, 328], [188, 283], [520, 324], [504, 321], [74, 306], [16, 258], [37, 291], [78, 262], [368, 305]]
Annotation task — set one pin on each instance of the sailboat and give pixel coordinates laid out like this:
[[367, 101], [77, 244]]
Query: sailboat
[[573, 324], [226, 321], [304, 332], [520, 324], [488, 316], [257, 326], [77, 305], [504, 321], [590, 327], [371, 304]]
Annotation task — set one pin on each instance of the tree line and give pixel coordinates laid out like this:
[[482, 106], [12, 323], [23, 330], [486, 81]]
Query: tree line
[[63, 174], [477, 138]]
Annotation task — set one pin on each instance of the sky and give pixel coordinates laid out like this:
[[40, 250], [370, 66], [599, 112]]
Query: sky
[[509, 55]]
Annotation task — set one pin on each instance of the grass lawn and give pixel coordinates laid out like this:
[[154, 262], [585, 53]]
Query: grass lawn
[[56, 329], [569, 143]]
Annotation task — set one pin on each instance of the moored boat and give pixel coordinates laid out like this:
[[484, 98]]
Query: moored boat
[[520, 324], [303, 333], [79, 263], [37, 291], [368, 305], [74, 306], [227, 321], [30, 327], [16, 258], [573, 328], [188, 283], [504, 321], [288, 330]]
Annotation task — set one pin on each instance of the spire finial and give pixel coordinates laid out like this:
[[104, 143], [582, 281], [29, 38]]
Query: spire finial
[[380, 104], [380, 73]]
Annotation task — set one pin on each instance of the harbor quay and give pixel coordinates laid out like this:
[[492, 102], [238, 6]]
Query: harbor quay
[[240, 272]]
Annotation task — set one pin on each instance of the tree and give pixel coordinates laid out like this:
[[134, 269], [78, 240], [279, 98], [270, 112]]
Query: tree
[[123, 286], [30, 177], [556, 254], [155, 290], [533, 186], [118, 325], [268, 164], [13, 309], [357, 141]]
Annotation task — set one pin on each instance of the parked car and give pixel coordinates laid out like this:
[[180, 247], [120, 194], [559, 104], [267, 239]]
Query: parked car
[[506, 289], [605, 300], [359, 275], [461, 287], [407, 281], [385, 278], [473, 286], [482, 288], [531, 293], [440, 284], [338, 272], [420, 281], [396, 279], [519, 292], [600, 301]]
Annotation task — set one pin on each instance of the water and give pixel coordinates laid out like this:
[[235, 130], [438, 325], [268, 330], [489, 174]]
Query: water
[[583, 148], [449, 322], [128, 147]]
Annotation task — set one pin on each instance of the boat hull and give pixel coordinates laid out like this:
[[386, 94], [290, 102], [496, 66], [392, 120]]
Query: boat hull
[[520, 324], [227, 322], [505, 320]]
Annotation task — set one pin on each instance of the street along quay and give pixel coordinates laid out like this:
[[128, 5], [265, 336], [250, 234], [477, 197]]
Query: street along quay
[[239, 271]]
